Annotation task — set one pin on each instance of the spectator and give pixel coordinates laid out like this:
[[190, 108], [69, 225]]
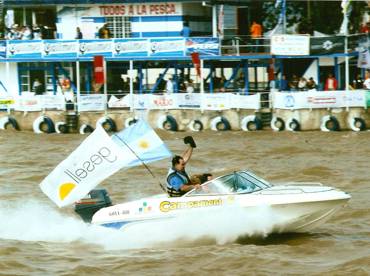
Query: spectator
[[186, 31], [311, 84], [169, 86], [104, 31], [367, 81], [284, 83], [37, 87], [358, 82], [36, 32], [302, 84], [189, 86], [79, 34], [240, 82], [293, 84], [26, 33], [161, 83], [256, 33], [331, 83]]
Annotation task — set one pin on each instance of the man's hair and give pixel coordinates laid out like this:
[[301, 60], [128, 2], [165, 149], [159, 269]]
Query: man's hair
[[176, 160]]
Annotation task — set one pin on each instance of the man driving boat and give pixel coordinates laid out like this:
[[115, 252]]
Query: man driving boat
[[178, 181]]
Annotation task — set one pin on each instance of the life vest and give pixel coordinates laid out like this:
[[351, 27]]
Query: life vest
[[171, 190]]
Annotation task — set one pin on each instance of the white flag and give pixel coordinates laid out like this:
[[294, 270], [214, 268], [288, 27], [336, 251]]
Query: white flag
[[142, 140], [94, 160], [363, 58]]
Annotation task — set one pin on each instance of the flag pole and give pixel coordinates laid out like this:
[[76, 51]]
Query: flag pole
[[142, 161]]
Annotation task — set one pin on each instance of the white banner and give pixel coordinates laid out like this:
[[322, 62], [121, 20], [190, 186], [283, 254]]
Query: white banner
[[94, 160], [52, 101], [6, 102], [92, 102], [217, 101], [294, 45], [245, 101], [327, 99], [28, 102]]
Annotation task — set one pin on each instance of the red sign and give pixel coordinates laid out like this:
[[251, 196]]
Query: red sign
[[196, 61], [139, 9], [99, 69]]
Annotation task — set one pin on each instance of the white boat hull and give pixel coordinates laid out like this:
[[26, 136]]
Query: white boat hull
[[293, 208]]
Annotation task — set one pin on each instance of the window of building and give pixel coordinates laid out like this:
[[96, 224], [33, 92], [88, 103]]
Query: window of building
[[119, 26]]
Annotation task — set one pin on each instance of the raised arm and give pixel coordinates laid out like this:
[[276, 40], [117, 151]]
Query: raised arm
[[187, 154]]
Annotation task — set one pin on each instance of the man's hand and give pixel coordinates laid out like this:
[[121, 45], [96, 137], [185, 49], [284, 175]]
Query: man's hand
[[190, 141]]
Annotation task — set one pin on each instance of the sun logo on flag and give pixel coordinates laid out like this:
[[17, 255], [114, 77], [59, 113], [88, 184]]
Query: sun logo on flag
[[143, 144], [65, 189]]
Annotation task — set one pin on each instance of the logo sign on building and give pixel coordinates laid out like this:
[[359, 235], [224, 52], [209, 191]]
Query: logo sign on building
[[130, 47], [326, 45], [3, 49], [203, 45], [91, 102], [95, 47], [332, 99], [25, 49], [153, 9], [60, 49], [290, 45], [162, 47], [99, 69]]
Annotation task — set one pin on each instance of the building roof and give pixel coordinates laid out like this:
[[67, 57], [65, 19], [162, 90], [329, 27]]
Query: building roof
[[62, 2]]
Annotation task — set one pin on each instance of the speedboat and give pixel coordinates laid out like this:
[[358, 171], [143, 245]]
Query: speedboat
[[297, 207]]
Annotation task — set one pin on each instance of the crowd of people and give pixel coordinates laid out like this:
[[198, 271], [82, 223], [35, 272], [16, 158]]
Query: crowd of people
[[17, 32]]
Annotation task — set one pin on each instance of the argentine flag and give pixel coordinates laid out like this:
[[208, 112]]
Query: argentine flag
[[141, 139]]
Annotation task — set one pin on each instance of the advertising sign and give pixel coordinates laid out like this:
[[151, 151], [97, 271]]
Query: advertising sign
[[161, 47], [6, 102], [30, 49], [130, 47], [98, 47], [60, 49], [326, 45], [203, 45], [3, 49], [52, 101], [293, 45], [219, 101], [28, 103], [332, 99], [91, 102]]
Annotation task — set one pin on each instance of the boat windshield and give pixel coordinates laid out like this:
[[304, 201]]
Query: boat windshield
[[235, 183]]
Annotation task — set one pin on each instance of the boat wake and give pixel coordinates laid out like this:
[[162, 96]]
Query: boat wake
[[36, 221]]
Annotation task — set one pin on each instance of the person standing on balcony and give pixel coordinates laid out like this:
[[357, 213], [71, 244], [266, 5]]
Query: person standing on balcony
[[331, 83], [186, 31], [256, 34], [79, 34], [104, 32]]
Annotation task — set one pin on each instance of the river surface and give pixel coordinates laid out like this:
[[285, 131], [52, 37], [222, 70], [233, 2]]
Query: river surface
[[38, 238]]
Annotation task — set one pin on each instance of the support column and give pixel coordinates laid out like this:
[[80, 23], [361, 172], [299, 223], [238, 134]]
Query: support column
[[105, 87], [131, 75], [246, 77], [78, 83], [214, 20]]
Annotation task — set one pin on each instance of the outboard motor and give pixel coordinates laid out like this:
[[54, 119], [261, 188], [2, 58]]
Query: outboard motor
[[94, 201]]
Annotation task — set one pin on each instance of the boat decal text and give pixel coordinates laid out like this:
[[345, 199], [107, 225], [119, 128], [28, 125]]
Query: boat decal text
[[167, 206]]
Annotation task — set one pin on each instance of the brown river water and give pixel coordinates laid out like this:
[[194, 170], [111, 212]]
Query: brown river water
[[38, 238]]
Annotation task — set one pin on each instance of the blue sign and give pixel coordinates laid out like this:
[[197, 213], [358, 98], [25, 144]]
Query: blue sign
[[86, 49], [30, 49], [166, 47], [2, 49], [61, 49], [95, 47], [203, 45], [130, 47]]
